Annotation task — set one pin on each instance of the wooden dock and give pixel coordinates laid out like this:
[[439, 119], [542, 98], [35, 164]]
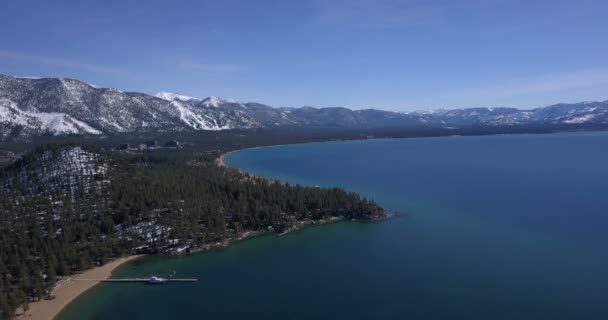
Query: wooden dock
[[146, 280]]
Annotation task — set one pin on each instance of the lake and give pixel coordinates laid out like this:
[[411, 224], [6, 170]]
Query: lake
[[492, 227]]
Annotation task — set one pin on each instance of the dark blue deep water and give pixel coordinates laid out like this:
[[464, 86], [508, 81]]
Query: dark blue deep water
[[495, 227]]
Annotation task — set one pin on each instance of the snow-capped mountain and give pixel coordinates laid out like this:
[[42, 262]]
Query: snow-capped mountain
[[574, 113], [66, 106], [52, 122], [170, 96], [57, 106], [212, 102]]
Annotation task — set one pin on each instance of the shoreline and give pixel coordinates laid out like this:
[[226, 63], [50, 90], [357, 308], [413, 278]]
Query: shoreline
[[386, 215], [69, 289], [220, 160]]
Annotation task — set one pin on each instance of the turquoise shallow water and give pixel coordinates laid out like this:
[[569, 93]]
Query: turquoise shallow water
[[498, 227]]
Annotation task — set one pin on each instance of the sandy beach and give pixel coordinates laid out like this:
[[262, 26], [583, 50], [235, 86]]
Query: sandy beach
[[220, 160], [70, 288]]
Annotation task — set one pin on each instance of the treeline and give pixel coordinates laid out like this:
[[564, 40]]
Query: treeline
[[46, 230], [243, 138], [200, 196], [55, 232]]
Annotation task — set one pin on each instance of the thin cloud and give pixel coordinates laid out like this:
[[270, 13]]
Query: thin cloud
[[561, 83], [60, 62]]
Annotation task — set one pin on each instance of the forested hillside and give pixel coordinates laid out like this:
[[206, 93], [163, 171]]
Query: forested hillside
[[68, 208]]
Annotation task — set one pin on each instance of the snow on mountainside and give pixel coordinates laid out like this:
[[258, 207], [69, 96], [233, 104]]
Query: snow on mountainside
[[212, 102], [169, 96], [63, 106], [590, 112], [197, 121], [37, 106], [12, 117]]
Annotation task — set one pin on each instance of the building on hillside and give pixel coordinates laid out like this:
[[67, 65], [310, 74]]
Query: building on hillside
[[172, 144], [152, 144], [142, 147]]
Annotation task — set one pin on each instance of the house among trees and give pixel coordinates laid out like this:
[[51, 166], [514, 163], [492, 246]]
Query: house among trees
[[153, 144], [172, 144]]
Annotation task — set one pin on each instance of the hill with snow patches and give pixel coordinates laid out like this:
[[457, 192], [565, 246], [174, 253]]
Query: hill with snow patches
[[57, 106]]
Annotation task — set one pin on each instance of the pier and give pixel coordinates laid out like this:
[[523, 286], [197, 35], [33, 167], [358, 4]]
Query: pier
[[147, 280], [144, 280]]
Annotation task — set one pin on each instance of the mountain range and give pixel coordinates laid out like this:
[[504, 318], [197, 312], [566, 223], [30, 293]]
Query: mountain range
[[59, 106]]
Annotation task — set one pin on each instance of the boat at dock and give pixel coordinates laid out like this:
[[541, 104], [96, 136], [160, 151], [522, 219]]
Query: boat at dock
[[157, 280], [151, 280]]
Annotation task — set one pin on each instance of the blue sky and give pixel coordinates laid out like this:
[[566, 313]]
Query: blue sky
[[395, 55]]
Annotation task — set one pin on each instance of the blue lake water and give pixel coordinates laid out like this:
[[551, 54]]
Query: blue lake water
[[494, 227]]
